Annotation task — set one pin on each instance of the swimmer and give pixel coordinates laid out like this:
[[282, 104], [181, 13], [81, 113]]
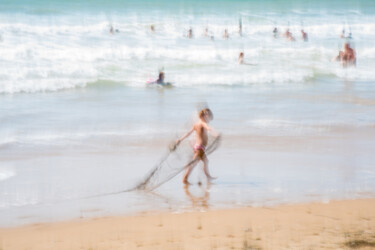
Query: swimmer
[[275, 32], [112, 30], [339, 57], [342, 33], [289, 35], [240, 27], [201, 129], [240, 58], [226, 35], [160, 79], [152, 28], [348, 57], [304, 36], [190, 33], [205, 33]]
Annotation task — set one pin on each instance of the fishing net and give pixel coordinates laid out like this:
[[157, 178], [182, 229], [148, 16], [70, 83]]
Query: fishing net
[[173, 163]]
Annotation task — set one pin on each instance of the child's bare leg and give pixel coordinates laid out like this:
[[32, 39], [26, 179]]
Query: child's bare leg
[[205, 169], [189, 168]]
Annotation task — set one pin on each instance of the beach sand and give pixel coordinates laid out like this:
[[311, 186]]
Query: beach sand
[[335, 225]]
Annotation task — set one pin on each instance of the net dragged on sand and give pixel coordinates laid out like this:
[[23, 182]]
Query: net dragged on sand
[[173, 163]]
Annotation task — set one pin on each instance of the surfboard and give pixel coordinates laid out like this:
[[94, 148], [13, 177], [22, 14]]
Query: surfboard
[[152, 83]]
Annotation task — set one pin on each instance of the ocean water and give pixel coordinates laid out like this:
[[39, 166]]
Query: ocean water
[[78, 119]]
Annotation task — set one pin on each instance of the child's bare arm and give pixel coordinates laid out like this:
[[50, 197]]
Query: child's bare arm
[[185, 135], [173, 146]]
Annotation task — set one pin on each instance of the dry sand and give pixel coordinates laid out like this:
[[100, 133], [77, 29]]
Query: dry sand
[[336, 225]]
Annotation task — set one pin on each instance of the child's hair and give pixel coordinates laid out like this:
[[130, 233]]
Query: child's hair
[[205, 111]]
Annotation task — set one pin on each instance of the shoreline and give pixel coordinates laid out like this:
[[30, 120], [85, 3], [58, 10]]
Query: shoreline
[[341, 224]]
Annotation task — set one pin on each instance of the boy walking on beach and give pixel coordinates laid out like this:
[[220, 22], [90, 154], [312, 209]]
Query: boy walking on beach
[[201, 129]]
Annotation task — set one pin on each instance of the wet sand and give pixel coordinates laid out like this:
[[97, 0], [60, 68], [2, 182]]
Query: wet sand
[[335, 225]]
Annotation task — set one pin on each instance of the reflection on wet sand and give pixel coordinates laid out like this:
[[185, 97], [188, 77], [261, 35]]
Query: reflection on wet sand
[[198, 200]]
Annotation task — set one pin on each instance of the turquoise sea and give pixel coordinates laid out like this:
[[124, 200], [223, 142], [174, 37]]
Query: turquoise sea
[[78, 118]]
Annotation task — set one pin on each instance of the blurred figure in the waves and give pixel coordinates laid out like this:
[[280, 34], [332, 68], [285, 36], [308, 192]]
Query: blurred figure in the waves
[[338, 58], [226, 35], [160, 81], [240, 27], [152, 28], [348, 57], [289, 35], [343, 36], [304, 36], [275, 32], [161, 77], [342, 33], [112, 30], [190, 33], [240, 58], [205, 33]]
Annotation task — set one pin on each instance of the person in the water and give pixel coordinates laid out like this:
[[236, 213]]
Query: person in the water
[[226, 34], [240, 27], [190, 33], [112, 30], [160, 79], [205, 33], [240, 58], [342, 35], [348, 57], [275, 32], [338, 58], [289, 35], [304, 36]]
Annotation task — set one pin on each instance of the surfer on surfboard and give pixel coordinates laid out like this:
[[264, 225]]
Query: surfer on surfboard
[[160, 81], [201, 129]]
